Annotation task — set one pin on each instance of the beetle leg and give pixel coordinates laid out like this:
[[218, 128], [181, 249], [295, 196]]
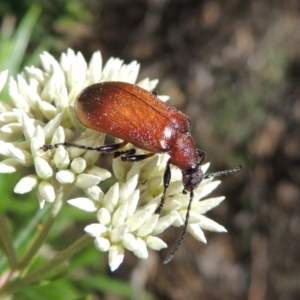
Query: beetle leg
[[202, 155], [132, 158], [167, 179], [111, 148], [104, 148]]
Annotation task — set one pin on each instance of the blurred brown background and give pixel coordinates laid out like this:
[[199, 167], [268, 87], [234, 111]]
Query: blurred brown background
[[233, 67]]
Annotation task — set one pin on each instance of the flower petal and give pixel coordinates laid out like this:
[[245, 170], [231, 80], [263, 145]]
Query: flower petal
[[118, 233], [103, 216], [42, 168], [52, 125], [132, 201], [137, 220], [36, 142], [91, 157], [196, 232], [48, 110], [3, 78], [163, 223], [85, 181], [23, 157], [4, 148], [95, 68], [11, 136], [155, 243], [18, 99], [65, 176], [205, 167], [95, 193], [9, 165], [7, 117], [4, 107], [102, 244], [78, 165], [148, 226], [111, 198], [95, 230], [46, 191], [115, 256], [129, 242], [172, 204], [61, 158], [205, 189], [100, 172], [206, 205], [141, 249], [58, 136], [147, 84], [120, 215], [84, 204], [127, 189], [208, 224], [26, 184], [120, 169], [28, 126]]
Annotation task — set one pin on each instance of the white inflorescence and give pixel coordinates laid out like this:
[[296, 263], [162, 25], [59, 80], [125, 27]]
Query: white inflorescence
[[40, 111]]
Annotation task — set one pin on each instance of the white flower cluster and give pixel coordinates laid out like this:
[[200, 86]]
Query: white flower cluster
[[40, 111]]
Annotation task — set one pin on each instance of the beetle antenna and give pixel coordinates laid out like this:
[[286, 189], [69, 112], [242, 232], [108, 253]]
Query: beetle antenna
[[222, 173], [184, 231]]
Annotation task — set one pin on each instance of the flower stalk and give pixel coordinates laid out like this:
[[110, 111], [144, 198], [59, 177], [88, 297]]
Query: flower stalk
[[43, 233], [60, 259]]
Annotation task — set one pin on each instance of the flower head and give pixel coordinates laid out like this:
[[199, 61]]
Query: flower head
[[41, 112]]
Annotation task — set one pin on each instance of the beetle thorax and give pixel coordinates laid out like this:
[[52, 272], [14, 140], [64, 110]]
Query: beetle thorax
[[183, 152], [184, 156]]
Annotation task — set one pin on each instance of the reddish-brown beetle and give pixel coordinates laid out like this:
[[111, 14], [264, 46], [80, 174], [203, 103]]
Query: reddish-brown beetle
[[137, 116]]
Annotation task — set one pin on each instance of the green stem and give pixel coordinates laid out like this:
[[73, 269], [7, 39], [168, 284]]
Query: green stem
[[43, 233], [7, 241], [56, 262]]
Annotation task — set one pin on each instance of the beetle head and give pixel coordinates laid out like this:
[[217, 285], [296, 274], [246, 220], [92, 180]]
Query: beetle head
[[191, 178]]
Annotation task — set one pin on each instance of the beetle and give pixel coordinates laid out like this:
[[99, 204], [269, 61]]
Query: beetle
[[139, 117]]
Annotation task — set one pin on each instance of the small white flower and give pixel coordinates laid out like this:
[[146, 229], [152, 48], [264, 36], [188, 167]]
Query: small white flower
[[46, 191], [43, 168], [65, 176], [26, 184], [115, 256], [84, 204], [40, 111], [141, 249], [78, 164], [124, 229], [61, 158], [102, 244]]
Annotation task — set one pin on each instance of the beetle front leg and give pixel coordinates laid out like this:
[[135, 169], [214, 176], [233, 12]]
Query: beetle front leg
[[201, 154], [167, 179]]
